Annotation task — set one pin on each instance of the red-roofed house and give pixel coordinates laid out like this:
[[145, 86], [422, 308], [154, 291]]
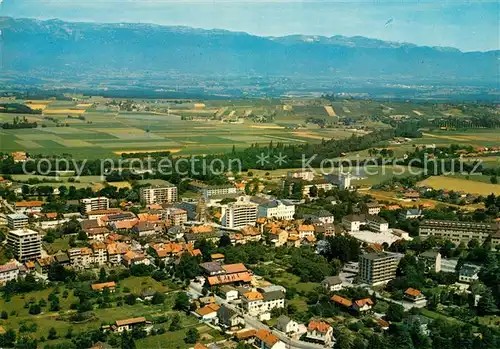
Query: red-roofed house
[[319, 332], [264, 339], [363, 305]]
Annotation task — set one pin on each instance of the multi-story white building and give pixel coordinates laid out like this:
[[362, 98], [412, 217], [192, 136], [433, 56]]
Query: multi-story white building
[[81, 257], [218, 190], [9, 271], [17, 220], [377, 268], [320, 184], [353, 222], [277, 209], [176, 216], [457, 231], [377, 224], [94, 204], [158, 194], [25, 244], [256, 303], [239, 214], [306, 175]]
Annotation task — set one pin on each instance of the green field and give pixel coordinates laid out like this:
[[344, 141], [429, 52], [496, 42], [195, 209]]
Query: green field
[[18, 314], [105, 130]]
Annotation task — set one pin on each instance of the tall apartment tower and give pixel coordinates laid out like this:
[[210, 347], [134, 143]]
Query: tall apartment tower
[[377, 268], [158, 194], [239, 214], [26, 244]]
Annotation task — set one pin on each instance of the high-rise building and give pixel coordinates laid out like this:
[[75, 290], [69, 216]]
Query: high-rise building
[[239, 214], [26, 244], [377, 268], [158, 194], [17, 220], [94, 204]]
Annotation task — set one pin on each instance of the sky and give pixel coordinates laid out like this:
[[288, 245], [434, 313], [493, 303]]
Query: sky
[[470, 25]]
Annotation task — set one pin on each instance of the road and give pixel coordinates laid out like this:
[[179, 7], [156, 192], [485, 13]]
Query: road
[[195, 290]]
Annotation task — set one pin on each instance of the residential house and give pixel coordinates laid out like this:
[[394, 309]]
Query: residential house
[[264, 339], [212, 268], [217, 257], [342, 301], [128, 324], [412, 213], [132, 258], [469, 273], [208, 312], [373, 208], [229, 318], [287, 325], [362, 305], [144, 228], [111, 286], [431, 260], [9, 271], [325, 217], [305, 230], [100, 254], [256, 303], [319, 332], [42, 265], [332, 283], [414, 295], [229, 293]]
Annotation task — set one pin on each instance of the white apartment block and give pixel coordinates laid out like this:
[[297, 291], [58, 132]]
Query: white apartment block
[[17, 221], [377, 268], [9, 271], [319, 184], [158, 194], [239, 214], [377, 224], [457, 231], [26, 244], [94, 204], [176, 216], [277, 209], [228, 189]]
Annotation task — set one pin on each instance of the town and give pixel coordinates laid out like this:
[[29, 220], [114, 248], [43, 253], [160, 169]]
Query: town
[[232, 266]]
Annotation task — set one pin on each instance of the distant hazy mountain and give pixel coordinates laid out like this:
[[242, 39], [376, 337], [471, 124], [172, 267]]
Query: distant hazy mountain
[[54, 47]]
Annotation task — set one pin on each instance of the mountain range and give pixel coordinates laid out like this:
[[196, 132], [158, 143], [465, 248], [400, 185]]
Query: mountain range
[[56, 48]]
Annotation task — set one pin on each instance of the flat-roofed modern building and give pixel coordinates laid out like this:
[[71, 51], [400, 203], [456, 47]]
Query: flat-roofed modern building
[[239, 214], [17, 220], [94, 204], [26, 244], [457, 231], [277, 209], [377, 268], [158, 194]]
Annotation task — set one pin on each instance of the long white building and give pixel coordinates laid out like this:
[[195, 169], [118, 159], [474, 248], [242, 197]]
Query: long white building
[[94, 204], [277, 209], [458, 232], [158, 194], [26, 244]]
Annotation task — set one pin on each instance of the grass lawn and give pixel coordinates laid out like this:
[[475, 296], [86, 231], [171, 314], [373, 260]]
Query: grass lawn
[[136, 284], [172, 339], [436, 316], [61, 244]]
